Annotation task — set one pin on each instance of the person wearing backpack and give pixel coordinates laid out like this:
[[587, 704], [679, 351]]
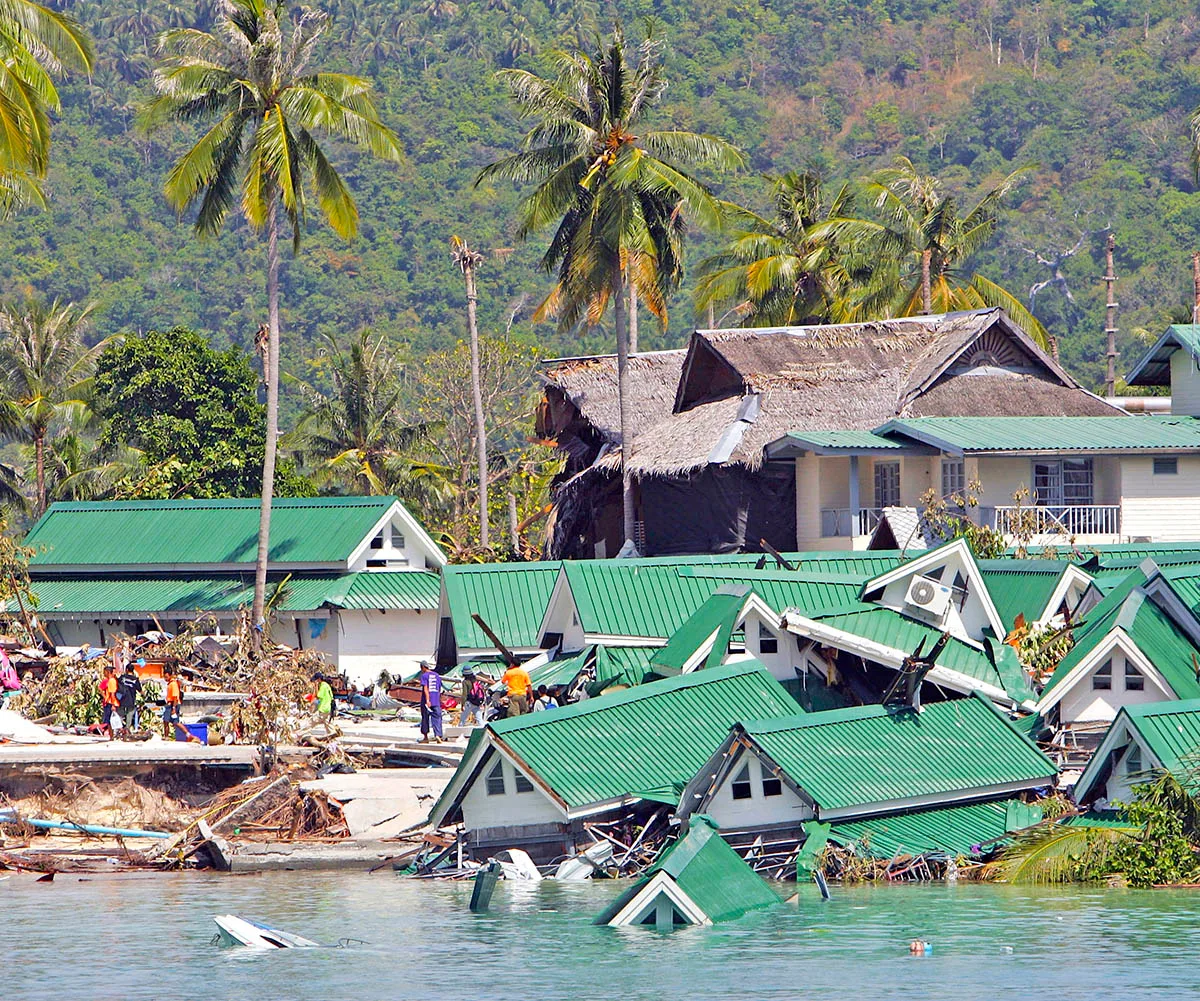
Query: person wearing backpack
[[473, 696]]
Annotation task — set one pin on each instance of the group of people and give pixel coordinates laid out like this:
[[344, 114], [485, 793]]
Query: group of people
[[119, 691], [474, 698]]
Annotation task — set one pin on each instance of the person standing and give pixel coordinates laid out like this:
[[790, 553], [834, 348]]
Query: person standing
[[108, 697], [545, 700], [431, 703], [473, 695], [173, 706], [323, 693], [129, 687], [516, 680]]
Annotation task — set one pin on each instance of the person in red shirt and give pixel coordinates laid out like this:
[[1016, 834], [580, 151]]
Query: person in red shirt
[[108, 697]]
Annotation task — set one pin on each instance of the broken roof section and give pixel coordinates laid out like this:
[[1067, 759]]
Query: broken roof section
[[697, 880], [703, 640], [510, 597], [642, 743]]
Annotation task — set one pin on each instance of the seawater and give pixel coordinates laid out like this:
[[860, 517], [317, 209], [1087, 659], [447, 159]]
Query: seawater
[[150, 936]]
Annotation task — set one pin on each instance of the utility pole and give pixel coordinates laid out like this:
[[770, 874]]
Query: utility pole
[[1196, 287], [1110, 318]]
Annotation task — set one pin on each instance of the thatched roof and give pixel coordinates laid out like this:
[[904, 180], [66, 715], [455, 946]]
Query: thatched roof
[[1006, 394], [591, 385]]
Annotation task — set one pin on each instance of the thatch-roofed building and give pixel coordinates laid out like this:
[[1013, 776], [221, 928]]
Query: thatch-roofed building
[[704, 481]]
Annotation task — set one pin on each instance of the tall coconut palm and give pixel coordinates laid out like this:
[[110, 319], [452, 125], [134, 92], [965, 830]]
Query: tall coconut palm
[[250, 78], [36, 45], [356, 435], [468, 261], [46, 369], [614, 190], [790, 268]]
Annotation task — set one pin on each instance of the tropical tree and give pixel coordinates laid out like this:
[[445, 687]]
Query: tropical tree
[[36, 45], [790, 268], [357, 436], [614, 189], [468, 261], [251, 79], [46, 368]]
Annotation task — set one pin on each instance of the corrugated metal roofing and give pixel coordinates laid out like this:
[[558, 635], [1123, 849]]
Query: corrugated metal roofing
[[1171, 730], [843, 439], [953, 831], [304, 530], [141, 594], [510, 597], [716, 878], [714, 619], [1154, 367], [806, 590], [1016, 590], [651, 739], [1053, 434], [868, 755]]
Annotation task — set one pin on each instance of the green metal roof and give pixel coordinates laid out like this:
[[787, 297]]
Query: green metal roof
[[869, 755], [304, 531], [780, 589], [952, 831], [958, 435], [1171, 730], [1017, 590], [618, 666], [644, 741], [1154, 367], [995, 664], [510, 597], [716, 617], [127, 594], [838, 441]]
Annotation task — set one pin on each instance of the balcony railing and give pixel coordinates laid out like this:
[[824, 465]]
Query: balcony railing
[[1070, 520], [845, 521]]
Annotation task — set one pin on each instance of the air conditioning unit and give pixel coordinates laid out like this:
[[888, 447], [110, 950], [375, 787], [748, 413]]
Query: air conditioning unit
[[931, 596]]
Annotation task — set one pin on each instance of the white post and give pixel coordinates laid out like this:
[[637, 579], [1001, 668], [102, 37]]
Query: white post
[[854, 503]]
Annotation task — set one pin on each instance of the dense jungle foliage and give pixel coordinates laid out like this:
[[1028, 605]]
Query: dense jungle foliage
[[1095, 92]]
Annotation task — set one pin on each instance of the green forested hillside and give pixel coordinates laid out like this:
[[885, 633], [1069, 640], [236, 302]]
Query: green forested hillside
[[1096, 92]]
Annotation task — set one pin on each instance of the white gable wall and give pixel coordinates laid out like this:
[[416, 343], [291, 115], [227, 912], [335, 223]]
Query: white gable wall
[[562, 617], [758, 810], [409, 556], [1185, 384], [1122, 780], [787, 657], [967, 623], [1085, 704], [1162, 507], [513, 809]]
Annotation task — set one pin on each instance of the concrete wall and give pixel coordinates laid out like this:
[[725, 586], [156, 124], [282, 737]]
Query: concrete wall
[[758, 810], [1161, 508], [513, 808], [1185, 385], [1083, 704]]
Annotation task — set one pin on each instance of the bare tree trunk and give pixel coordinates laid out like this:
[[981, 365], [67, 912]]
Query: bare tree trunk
[[258, 626], [477, 400], [628, 514], [39, 451], [514, 524], [926, 282], [633, 319]]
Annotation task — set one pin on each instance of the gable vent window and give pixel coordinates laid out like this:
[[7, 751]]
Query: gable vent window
[[377, 542], [768, 642], [1134, 682], [1167, 466], [1133, 760], [1102, 679], [397, 538], [772, 787], [741, 785], [523, 784], [495, 780]]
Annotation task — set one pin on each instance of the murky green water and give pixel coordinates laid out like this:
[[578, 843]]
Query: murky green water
[[149, 937]]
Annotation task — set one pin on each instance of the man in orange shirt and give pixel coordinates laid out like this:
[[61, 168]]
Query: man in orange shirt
[[516, 680], [108, 697], [173, 706]]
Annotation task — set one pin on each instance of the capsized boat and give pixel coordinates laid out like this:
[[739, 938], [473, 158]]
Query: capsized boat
[[256, 935]]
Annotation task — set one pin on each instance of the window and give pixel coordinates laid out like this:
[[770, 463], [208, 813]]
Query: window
[[523, 784], [741, 784], [1134, 682], [772, 787], [767, 641], [397, 538], [1066, 482], [954, 478], [495, 780], [1102, 679], [377, 542], [1166, 466], [1133, 759], [887, 484]]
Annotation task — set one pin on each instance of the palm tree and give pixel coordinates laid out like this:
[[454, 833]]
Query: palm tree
[[613, 190], [790, 268], [46, 369], [357, 435], [76, 468], [468, 261], [36, 45], [250, 78], [923, 229]]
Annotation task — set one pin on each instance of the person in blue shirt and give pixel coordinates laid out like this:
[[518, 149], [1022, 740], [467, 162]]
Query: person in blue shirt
[[431, 703]]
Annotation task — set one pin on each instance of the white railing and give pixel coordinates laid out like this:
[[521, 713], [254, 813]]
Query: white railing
[[845, 521], [1068, 520]]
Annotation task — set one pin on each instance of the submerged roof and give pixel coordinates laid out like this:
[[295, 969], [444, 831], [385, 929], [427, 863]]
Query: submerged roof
[[960, 435], [646, 741], [865, 757], [952, 831], [312, 531], [1154, 367], [141, 594]]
